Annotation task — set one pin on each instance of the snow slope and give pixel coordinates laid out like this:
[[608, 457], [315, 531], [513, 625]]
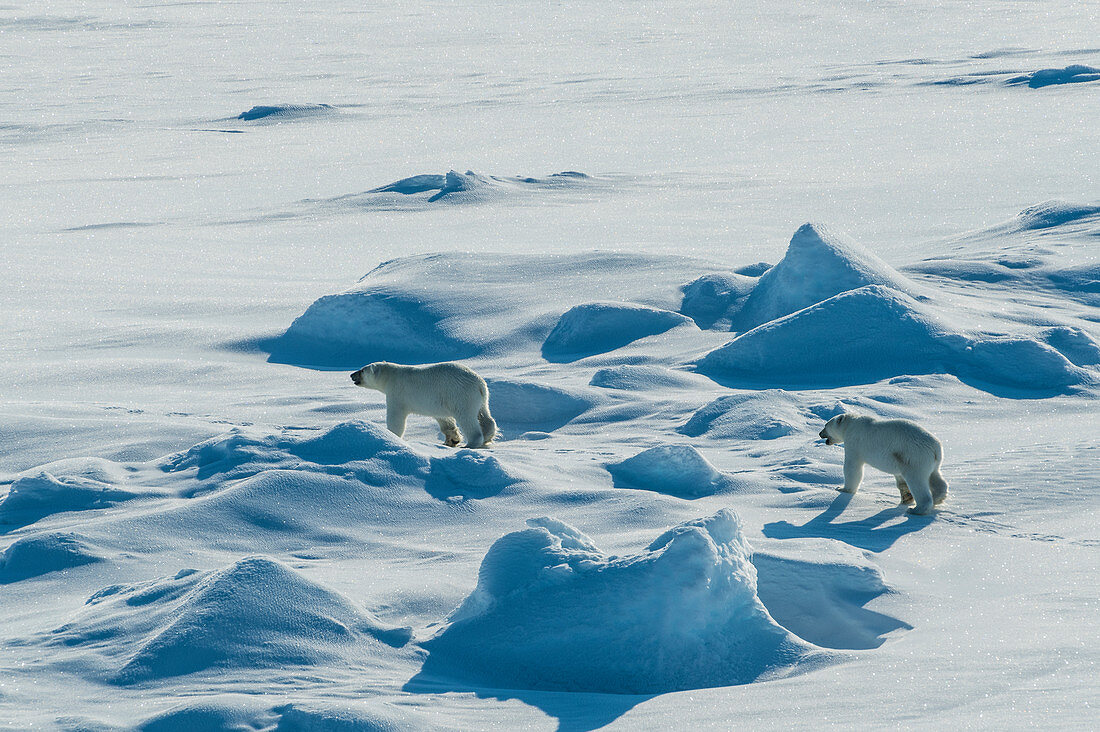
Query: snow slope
[[214, 211]]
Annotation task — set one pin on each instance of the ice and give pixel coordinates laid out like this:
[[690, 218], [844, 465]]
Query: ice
[[212, 212], [681, 614]]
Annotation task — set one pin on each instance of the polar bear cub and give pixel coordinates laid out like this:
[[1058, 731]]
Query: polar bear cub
[[897, 446], [452, 393]]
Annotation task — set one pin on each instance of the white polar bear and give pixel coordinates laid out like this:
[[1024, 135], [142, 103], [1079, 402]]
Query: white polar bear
[[452, 393], [897, 446]]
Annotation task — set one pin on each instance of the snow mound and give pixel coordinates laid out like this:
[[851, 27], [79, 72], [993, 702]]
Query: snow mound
[[245, 451], [819, 264], [1053, 213], [599, 327], [468, 474], [1075, 344], [40, 554], [1073, 74], [766, 415], [681, 614], [32, 497], [643, 378], [448, 307], [521, 406], [285, 112], [454, 187], [895, 336], [256, 613], [714, 299], [677, 470]]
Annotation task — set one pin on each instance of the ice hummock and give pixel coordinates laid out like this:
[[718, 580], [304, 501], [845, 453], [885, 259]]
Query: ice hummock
[[551, 611]]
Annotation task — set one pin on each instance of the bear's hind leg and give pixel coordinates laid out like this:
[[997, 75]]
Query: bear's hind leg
[[939, 487], [472, 430], [451, 435], [903, 489], [922, 493]]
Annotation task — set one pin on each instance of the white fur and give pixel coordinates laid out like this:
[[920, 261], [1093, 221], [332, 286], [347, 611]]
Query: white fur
[[897, 446], [452, 393]]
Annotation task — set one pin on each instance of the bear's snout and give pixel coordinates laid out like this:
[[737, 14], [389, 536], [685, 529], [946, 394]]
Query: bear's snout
[[820, 434], [357, 377]]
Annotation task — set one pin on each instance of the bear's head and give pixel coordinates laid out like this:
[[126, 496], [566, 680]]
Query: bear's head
[[833, 432], [367, 377]]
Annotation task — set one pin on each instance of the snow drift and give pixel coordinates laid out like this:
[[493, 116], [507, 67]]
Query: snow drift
[[38, 554], [255, 613], [755, 415], [444, 307], [1072, 74], [876, 332], [553, 612], [285, 112], [818, 264], [678, 470], [40, 494], [599, 327]]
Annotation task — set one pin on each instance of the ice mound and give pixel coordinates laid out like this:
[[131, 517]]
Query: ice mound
[[470, 187], [256, 613], [754, 415], [285, 112], [446, 307], [643, 378], [714, 299], [1075, 344], [521, 406], [383, 325], [552, 612], [32, 497], [1073, 74], [599, 327], [819, 264], [468, 474], [245, 451], [894, 336], [678, 470], [40, 554], [1049, 214]]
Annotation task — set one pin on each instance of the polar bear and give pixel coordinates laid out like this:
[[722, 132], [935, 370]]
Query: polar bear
[[897, 446], [452, 393]]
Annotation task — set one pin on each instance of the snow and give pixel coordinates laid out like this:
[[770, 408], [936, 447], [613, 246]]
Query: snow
[[682, 614], [212, 212]]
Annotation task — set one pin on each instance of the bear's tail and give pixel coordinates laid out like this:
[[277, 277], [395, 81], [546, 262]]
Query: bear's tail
[[488, 425], [938, 486]]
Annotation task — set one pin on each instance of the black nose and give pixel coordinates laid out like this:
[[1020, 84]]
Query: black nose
[[355, 377], [822, 434]]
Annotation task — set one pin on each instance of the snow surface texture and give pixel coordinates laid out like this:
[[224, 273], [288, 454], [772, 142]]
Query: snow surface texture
[[205, 526]]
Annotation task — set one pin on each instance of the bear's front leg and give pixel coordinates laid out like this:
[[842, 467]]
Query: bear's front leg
[[395, 419], [853, 472]]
